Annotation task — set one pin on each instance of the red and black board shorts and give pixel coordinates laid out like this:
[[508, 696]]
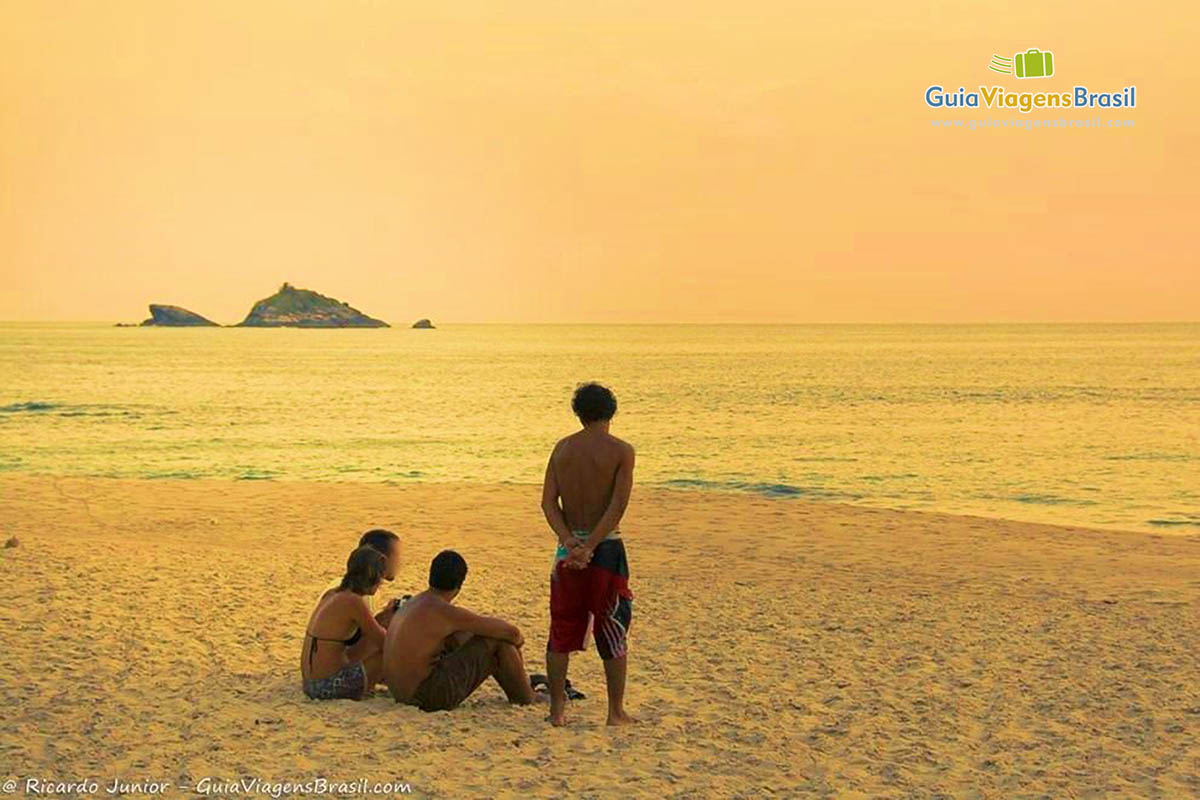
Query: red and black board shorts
[[597, 595]]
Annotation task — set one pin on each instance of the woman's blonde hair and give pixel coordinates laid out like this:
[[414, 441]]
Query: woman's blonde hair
[[364, 570]]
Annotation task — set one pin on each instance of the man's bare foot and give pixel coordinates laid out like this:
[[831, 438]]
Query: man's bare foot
[[621, 718], [557, 719]]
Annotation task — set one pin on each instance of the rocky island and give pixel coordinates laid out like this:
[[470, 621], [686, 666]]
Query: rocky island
[[423, 324], [175, 316], [302, 308]]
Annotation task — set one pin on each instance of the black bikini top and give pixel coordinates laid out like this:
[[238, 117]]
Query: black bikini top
[[312, 648], [354, 637]]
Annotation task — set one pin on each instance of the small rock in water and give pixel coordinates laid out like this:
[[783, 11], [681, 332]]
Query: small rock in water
[[12, 542]]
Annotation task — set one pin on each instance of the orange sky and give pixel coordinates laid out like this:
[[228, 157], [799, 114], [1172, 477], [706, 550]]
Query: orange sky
[[659, 161]]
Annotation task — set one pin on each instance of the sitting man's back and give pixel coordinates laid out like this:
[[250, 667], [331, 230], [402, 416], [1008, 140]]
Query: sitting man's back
[[436, 653]]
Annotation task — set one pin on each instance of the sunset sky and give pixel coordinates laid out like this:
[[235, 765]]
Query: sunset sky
[[593, 162]]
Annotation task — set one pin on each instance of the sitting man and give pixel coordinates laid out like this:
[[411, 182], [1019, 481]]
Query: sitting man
[[436, 653]]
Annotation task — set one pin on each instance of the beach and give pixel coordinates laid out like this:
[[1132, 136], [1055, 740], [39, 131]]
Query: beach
[[910, 418], [151, 630]]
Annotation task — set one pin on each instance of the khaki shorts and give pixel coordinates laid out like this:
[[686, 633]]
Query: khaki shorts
[[456, 675]]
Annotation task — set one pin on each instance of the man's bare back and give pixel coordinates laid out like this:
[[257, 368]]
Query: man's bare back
[[417, 636], [585, 468]]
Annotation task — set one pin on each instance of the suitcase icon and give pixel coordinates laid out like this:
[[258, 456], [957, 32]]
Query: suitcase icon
[[1034, 63]]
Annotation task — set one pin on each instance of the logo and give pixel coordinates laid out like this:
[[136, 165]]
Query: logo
[[1033, 63]]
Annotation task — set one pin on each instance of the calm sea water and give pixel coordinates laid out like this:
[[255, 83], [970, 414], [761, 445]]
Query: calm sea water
[[1083, 424]]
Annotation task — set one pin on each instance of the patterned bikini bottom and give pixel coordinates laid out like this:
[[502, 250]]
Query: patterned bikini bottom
[[348, 683]]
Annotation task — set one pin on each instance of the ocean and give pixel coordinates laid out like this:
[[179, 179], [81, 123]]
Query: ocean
[[1089, 425]]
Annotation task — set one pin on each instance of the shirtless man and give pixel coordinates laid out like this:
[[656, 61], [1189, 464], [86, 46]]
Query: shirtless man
[[591, 471], [436, 654]]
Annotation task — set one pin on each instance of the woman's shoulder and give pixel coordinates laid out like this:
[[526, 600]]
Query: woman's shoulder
[[344, 598], [337, 605]]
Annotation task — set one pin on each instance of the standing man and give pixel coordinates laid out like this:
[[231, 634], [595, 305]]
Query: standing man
[[591, 472]]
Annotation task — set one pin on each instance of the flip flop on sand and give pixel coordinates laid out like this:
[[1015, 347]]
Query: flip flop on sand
[[541, 681]]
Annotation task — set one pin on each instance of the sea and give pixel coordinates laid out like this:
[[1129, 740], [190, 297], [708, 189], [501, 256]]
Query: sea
[[1091, 425]]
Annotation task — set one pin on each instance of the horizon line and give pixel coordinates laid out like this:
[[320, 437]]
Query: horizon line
[[628, 323]]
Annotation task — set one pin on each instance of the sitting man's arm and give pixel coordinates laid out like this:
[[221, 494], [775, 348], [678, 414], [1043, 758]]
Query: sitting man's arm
[[461, 619]]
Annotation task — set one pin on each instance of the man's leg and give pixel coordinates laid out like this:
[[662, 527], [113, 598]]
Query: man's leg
[[556, 674], [568, 629], [457, 674], [614, 677], [456, 640], [372, 658], [510, 674], [613, 610], [374, 667]]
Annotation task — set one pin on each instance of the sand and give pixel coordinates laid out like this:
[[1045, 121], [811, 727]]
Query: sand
[[151, 630]]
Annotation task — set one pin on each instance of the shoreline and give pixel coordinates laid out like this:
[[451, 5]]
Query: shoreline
[[1172, 530]]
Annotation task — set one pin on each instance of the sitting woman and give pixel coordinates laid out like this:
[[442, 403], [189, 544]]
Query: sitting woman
[[343, 646]]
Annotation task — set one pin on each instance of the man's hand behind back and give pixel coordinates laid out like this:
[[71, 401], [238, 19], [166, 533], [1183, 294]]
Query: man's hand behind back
[[579, 557]]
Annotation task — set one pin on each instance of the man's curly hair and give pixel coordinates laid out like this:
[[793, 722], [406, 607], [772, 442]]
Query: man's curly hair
[[593, 403]]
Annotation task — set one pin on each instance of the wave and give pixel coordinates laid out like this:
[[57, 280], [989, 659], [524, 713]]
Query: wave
[[1181, 518], [839, 459], [42, 407], [1036, 499], [32, 405], [1051, 500], [1154, 457], [765, 489], [257, 475]]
